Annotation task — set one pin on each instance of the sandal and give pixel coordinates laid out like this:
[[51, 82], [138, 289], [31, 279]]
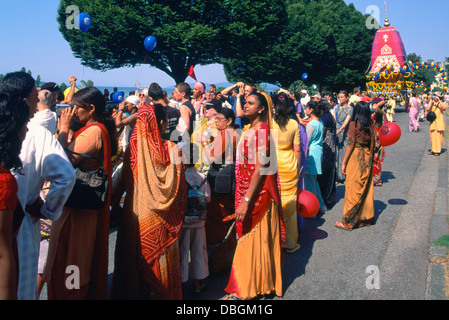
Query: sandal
[[296, 248], [340, 225], [431, 153]]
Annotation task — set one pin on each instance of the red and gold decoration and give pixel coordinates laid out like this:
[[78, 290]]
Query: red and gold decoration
[[389, 73]]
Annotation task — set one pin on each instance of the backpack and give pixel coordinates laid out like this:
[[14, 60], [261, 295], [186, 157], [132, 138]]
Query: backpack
[[196, 200]]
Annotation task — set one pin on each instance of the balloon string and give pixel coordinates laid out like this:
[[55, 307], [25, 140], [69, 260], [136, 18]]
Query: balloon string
[[138, 77], [83, 52]]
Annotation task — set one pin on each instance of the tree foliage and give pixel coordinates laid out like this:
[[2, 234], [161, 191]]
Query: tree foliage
[[187, 32], [326, 39], [272, 41], [422, 74]]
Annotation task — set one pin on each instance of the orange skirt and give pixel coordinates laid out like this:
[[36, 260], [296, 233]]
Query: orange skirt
[[358, 207], [256, 268]]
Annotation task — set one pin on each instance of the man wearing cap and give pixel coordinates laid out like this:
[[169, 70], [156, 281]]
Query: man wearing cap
[[55, 90], [125, 118]]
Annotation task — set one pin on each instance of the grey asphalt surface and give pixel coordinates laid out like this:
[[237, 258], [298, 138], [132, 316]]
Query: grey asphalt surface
[[334, 264]]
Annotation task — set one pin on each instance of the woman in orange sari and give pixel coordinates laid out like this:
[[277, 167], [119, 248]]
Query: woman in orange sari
[[357, 166], [80, 237], [256, 268], [147, 265]]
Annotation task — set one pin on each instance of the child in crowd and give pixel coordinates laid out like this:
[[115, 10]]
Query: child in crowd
[[193, 233]]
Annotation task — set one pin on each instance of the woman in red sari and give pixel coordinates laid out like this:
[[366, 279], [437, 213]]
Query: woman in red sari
[[256, 268], [147, 265], [14, 116], [80, 237]]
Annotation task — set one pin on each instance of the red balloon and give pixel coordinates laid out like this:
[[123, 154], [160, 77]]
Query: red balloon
[[389, 134], [307, 204]]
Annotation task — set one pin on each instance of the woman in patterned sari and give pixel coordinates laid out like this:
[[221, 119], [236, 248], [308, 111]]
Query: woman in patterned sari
[[357, 165], [343, 112], [256, 268], [147, 262]]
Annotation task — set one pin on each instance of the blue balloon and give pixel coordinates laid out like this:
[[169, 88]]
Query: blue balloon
[[117, 97], [150, 43], [305, 76], [84, 21]]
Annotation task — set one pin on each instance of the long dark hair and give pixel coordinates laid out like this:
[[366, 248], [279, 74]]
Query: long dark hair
[[18, 84], [14, 114], [315, 108], [362, 115], [92, 95], [263, 102], [282, 109]]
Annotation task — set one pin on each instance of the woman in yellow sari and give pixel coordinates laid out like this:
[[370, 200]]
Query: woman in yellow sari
[[289, 158], [147, 264], [438, 126], [357, 165], [256, 268]]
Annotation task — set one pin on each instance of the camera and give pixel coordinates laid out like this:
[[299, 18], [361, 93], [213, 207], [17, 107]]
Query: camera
[[59, 107]]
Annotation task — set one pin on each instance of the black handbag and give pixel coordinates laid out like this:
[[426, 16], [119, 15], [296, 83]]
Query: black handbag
[[91, 187], [221, 177], [431, 116]]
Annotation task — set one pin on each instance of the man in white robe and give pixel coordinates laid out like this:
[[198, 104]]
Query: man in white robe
[[43, 159]]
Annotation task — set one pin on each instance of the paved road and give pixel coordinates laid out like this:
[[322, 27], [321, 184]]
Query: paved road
[[332, 263], [335, 264]]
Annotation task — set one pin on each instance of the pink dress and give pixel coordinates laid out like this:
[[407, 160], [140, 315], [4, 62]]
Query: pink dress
[[414, 124]]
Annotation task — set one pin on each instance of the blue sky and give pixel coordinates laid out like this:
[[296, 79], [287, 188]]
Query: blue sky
[[30, 38]]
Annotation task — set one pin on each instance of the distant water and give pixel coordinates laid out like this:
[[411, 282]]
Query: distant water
[[127, 90]]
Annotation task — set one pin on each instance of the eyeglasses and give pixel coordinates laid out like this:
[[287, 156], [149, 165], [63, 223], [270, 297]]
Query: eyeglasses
[[219, 119], [141, 96]]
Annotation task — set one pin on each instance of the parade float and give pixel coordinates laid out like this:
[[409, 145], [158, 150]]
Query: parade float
[[390, 73]]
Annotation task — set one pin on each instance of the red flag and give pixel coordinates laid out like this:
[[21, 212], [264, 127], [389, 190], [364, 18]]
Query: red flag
[[192, 73]]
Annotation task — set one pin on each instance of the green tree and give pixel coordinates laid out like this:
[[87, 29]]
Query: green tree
[[187, 32], [326, 39], [422, 74], [87, 84], [251, 40], [38, 81]]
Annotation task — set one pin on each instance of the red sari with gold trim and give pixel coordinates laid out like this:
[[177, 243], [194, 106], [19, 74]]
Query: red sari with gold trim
[[256, 267]]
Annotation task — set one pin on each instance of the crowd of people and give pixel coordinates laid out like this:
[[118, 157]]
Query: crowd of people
[[196, 183]]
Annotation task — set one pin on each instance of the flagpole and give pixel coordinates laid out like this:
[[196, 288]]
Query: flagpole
[[387, 22]]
